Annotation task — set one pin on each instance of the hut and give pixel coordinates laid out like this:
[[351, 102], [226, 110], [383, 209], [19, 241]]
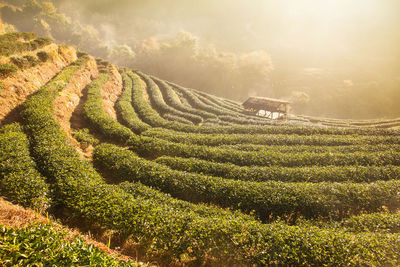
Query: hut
[[267, 107]]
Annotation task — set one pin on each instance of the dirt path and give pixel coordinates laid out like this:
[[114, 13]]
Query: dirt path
[[110, 92], [23, 83], [146, 96], [69, 99]]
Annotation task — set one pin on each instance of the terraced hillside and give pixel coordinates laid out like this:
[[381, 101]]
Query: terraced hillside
[[177, 176]]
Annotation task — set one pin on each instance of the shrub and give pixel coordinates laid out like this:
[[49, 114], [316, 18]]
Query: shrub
[[84, 137], [20, 62], [14, 36], [33, 61], [81, 53], [43, 56], [125, 108], [314, 174], [94, 113], [20, 182], [7, 69], [49, 245], [265, 199], [41, 42]]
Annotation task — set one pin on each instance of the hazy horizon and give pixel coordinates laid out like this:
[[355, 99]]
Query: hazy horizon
[[333, 58]]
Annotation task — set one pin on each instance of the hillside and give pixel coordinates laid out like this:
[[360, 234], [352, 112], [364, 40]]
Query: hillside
[[175, 176]]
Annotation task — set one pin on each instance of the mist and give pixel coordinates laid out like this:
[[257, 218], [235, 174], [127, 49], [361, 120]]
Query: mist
[[331, 58]]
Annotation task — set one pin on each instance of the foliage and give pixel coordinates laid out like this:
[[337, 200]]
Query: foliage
[[48, 245], [272, 139], [151, 117], [13, 43], [172, 100], [314, 174], [24, 62], [124, 106], [94, 113], [7, 69], [159, 104], [155, 147], [43, 56], [375, 222], [84, 137], [32, 60], [20, 182], [265, 199]]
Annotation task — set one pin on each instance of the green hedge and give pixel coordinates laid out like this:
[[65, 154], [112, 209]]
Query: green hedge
[[314, 174], [147, 146], [170, 97], [151, 117], [20, 182], [143, 108], [159, 104], [174, 118], [48, 245], [125, 108], [84, 137], [270, 139], [374, 222], [266, 199], [229, 115], [93, 111], [223, 103], [314, 149]]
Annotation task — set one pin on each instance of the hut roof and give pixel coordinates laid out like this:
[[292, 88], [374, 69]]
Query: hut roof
[[264, 103]]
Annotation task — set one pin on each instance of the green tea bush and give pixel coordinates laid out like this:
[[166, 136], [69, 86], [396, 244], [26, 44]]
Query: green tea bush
[[265, 199], [314, 149], [270, 139], [84, 137], [155, 147], [20, 182], [171, 99], [48, 245], [174, 118], [93, 111], [169, 96], [159, 104], [314, 174], [374, 222], [125, 108], [151, 117]]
